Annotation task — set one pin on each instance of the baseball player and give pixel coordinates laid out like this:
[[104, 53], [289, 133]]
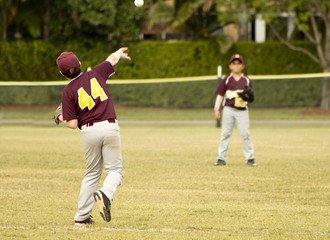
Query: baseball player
[[236, 91], [86, 104]]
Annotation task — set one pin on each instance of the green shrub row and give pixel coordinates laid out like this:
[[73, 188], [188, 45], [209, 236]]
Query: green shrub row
[[159, 59], [269, 93], [36, 61], [27, 61]]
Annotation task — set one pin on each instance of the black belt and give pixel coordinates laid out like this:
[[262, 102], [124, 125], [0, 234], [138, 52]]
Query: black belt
[[111, 120]]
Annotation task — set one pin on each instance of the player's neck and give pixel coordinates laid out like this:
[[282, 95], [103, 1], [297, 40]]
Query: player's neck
[[237, 76]]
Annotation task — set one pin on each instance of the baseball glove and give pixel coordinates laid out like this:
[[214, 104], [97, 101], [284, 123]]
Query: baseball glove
[[247, 94], [58, 113]]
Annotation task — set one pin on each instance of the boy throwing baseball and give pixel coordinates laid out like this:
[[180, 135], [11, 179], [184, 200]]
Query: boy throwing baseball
[[86, 104], [235, 90]]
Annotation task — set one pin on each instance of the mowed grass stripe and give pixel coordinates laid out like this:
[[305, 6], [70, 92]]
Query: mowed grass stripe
[[83, 228]]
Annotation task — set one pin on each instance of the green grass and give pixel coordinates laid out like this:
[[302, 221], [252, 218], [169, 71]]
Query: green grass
[[124, 113], [171, 190]]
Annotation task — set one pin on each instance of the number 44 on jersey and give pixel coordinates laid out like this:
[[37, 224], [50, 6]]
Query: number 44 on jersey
[[85, 100]]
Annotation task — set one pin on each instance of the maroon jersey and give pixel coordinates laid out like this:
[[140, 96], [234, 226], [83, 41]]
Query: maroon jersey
[[229, 87], [87, 97]]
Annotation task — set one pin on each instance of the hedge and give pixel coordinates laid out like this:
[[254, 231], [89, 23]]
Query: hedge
[[159, 59], [269, 93], [36, 61]]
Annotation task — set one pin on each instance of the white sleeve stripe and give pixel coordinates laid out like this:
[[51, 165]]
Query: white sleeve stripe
[[111, 74], [247, 80], [217, 104], [228, 77]]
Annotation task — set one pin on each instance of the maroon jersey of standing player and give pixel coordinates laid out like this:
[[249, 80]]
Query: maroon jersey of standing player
[[87, 97], [229, 87]]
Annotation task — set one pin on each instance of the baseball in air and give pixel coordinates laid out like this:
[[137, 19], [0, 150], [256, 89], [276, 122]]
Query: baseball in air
[[138, 3]]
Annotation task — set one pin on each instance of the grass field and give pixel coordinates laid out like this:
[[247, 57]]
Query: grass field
[[124, 113], [171, 190]]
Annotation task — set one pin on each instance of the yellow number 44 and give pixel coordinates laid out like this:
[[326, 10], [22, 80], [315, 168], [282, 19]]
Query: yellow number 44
[[85, 100]]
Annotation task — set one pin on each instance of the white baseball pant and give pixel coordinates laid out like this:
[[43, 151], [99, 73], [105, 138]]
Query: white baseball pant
[[230, 116], [102, 145]]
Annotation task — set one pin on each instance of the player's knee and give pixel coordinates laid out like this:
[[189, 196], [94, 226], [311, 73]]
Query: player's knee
[[246, 136], [225, 135], [115, 168]]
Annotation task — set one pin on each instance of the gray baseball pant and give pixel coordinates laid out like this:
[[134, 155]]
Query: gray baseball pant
[[230, 116], [102, 145]]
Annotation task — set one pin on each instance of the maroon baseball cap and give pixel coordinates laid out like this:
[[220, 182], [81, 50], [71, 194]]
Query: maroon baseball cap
[[236, 57], [66, 61]]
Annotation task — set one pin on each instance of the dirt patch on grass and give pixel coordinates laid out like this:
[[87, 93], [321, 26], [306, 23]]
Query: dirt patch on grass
[[317, 111]]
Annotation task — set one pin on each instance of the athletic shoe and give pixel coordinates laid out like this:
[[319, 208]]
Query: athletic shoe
[[251, 163], [219, 163], [85, 222], [104, 205]]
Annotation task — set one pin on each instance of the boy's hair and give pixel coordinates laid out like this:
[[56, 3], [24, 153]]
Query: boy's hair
[[73, 72]]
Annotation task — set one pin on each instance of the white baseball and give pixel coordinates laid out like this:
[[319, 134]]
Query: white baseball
[[138, 3]]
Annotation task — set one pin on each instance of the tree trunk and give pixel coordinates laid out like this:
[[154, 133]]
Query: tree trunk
[[4, 36], [75, 17], [325, 62], [3, 23], [243, 32], [325, 104], [46, 19], [243, 18]]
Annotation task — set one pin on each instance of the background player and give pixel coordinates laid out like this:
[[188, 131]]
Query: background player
[[235, 111], [86, 104]]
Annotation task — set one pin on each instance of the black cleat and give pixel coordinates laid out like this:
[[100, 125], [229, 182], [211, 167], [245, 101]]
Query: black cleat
[[220, 163], [104, 205], [251, 163], [84, 222]]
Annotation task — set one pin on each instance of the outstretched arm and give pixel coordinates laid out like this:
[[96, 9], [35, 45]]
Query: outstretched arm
[[116, 56]]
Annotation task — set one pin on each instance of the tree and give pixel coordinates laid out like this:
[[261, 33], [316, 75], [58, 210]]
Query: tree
[[33, 19], [95, 13], [194, 18], [86, 21], [312, 17], [128, 21], [221, 11], [8, 10]]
